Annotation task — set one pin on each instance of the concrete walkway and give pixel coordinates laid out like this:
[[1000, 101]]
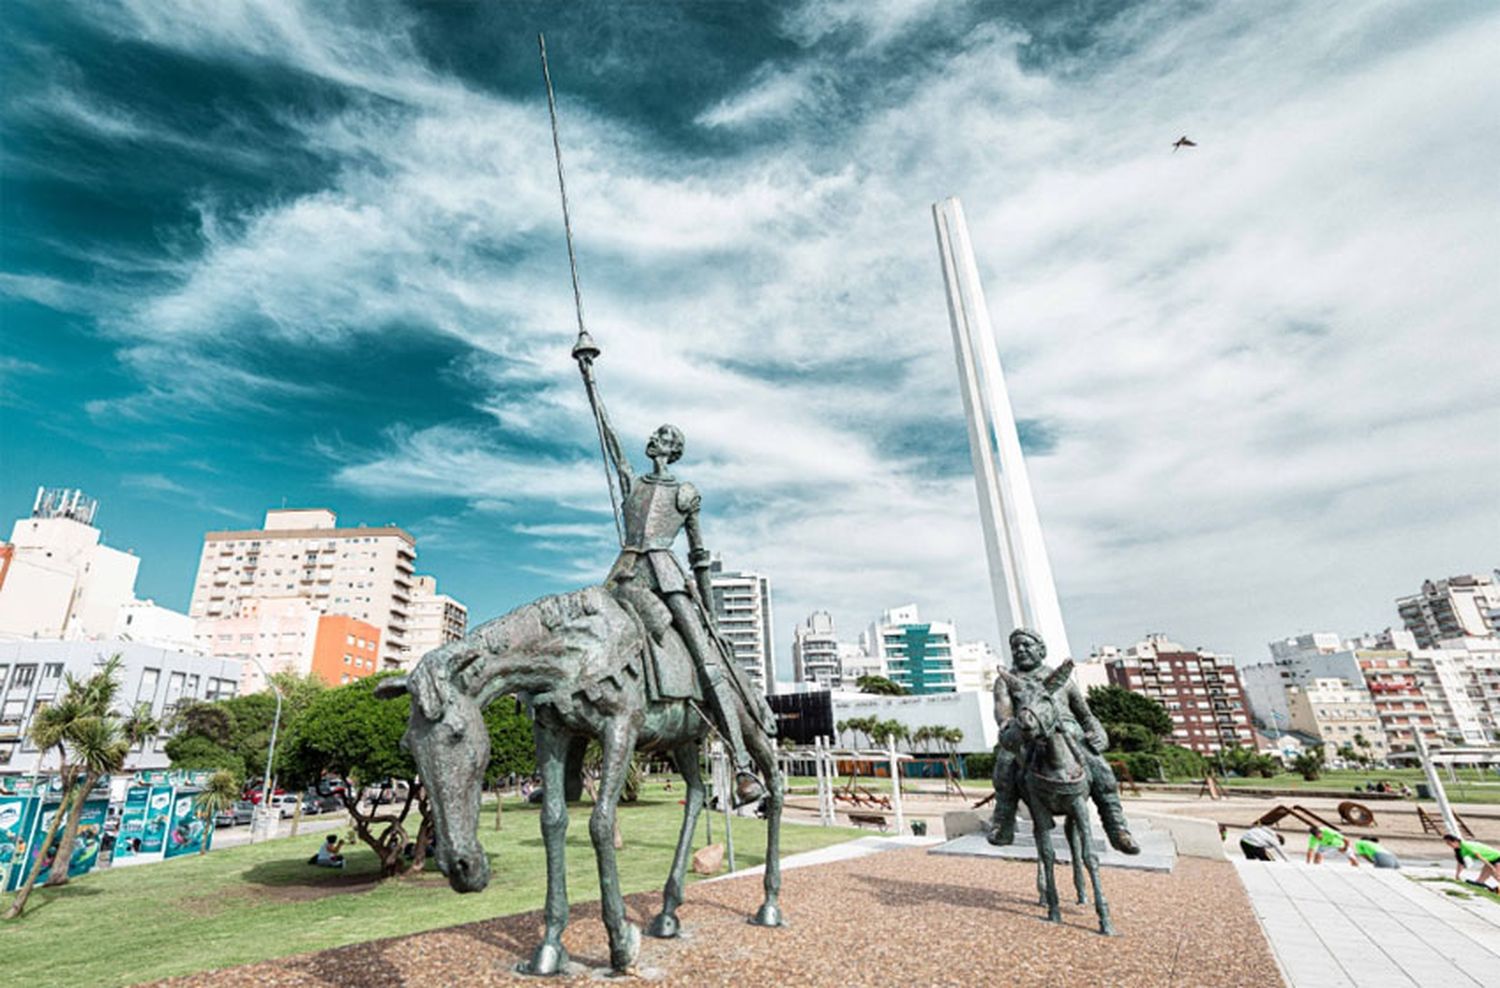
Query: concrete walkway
[[1332, 925], [859, 847]]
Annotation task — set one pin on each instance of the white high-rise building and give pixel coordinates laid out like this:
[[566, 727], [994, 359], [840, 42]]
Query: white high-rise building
[[57, 577], [916, 654], [974, 665], [149, 623], [1461, 606], [436, 619], [365, 573], [1296, 662], [742, 609], [815, 652], [1020, 575]]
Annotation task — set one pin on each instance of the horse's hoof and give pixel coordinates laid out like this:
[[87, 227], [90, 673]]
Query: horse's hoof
[[624, 953], [1083, 900], [769, 914], [1054, 917], [549, 959], [664, 927], [1107, 929]]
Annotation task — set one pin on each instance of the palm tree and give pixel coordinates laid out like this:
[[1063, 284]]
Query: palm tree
[[141, 726], [96, 738], [217, 796], [48, 730]]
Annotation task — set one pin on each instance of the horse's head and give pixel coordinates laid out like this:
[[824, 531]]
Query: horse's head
[[447, 738], [1037, 703]]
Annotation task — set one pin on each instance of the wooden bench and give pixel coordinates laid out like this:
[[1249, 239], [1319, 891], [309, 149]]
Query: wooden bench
[[873, 819]]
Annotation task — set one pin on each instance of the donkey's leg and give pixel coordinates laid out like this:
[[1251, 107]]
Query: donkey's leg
[[686, 756], [1041, 826], [764, 753], [618, 743], [1070, 827], [1091, 860], [551, 759]]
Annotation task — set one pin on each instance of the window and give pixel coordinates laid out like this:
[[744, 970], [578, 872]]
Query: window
[[25, 675], [12, 713], [52, 670]]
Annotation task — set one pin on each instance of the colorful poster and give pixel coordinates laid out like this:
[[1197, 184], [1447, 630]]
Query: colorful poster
[[158, 814], [49, 808], [15, 820], [132, 822], [189, 832], [86, 843]]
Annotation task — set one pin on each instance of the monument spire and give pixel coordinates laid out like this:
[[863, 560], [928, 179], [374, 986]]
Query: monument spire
[[1020, 576]]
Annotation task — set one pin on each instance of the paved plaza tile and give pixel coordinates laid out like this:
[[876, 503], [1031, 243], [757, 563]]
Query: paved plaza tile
[[1335, 925]]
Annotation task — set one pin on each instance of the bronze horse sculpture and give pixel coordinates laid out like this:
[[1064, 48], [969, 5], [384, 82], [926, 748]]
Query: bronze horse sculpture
[[577, 658], [1054, 781]]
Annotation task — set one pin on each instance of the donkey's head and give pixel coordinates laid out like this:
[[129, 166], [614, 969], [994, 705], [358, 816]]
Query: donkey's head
[[447, 738], [1037, 701]]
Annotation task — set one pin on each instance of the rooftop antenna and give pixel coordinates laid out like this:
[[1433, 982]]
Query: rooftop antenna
[[585, 350]]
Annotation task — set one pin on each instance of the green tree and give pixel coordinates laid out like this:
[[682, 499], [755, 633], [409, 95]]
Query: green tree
[[235, 734], [1114, 705], [1132, 737], [1309, 764], [879, 685], [220, 793]]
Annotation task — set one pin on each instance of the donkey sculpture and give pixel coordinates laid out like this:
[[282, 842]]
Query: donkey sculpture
[[578, 658], [1054, 781]]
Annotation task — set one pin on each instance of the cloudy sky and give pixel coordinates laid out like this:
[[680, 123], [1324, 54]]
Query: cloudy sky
[[257, 252]]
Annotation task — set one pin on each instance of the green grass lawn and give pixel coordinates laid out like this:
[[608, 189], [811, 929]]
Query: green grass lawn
[[1472, 786], [242, 904]]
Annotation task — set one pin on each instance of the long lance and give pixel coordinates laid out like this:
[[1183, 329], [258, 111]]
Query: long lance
[[585, 350]]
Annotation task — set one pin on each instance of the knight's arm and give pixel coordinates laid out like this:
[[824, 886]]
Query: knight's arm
[[1005, 714], [607, 432], [1092, 729], [699, 558]]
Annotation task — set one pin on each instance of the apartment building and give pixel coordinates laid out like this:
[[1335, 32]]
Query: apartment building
[[742, 609], [268, 635], [1467, 605], [815, 652], [1200, 689], [365, 573], [436, 619], [1339, 714]]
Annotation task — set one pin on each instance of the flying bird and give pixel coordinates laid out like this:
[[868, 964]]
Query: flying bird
[[1183, 142]]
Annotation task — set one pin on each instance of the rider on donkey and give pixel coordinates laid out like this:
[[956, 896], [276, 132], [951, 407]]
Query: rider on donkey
[[647, 575], [1027, 652]]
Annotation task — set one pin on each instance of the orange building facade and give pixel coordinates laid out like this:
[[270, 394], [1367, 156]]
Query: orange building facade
[[345, 649]]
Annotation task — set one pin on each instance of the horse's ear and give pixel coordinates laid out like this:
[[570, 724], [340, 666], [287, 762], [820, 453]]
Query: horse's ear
[[1058, 678], [389, 689]]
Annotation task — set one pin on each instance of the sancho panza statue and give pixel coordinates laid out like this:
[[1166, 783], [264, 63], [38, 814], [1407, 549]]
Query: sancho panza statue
[[648, 580], [1027, 651]]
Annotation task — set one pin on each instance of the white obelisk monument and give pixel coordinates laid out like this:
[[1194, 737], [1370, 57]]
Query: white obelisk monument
[[1020, 575]]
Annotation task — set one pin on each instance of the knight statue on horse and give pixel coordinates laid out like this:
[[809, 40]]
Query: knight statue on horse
[[1027, 652]]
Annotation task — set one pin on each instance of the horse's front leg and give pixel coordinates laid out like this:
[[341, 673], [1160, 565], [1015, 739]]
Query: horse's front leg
[[1091, 860], [665, 924], [764, 753], [1041, 827], [551, 756], [618, 744], [1070, 827]]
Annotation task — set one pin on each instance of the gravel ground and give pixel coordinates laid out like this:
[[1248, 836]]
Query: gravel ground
[[900, 917]]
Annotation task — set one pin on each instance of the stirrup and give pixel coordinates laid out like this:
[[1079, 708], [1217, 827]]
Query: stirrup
[[747, 788]]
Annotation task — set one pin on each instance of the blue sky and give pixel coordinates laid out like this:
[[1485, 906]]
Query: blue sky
[[256, 252]]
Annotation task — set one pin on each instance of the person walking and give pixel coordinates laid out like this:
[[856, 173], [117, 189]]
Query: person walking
[[1260, 842], [1485, 856]]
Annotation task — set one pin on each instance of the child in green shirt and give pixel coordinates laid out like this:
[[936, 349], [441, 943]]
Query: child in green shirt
[[1485, 856], [1320, 839]]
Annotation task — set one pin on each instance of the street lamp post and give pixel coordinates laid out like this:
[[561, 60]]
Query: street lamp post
[[265, 785]]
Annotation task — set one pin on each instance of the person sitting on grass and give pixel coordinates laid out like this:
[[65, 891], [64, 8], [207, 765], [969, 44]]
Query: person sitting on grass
[[1485, 856], [328, 855], [1260, 842], [1370, 851], [1320, 839]]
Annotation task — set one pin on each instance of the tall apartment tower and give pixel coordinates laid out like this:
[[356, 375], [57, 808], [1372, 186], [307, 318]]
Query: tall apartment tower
[[742, 608], [815, 652], [917, 654], [1020, 575], [436, 619], [1200, 690], [1461, 606], [365, 573], [57, 577]]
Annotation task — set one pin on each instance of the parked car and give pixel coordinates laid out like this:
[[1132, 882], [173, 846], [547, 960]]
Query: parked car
[[384, 792], [243, 811], [287, 805], [313, 802]]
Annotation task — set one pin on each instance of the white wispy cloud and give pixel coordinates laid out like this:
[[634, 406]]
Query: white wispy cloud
[[1267, 356]]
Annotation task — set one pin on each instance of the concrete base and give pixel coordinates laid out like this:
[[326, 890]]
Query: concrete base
[[1158, 852], [958, 823]]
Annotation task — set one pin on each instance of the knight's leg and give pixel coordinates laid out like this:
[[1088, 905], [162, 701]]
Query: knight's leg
[[1075, 851], [1106, 795], [665, 924], [724, 706], [551, 758], [1007, 798], [618, 745], [764, 753], [1091, 861]]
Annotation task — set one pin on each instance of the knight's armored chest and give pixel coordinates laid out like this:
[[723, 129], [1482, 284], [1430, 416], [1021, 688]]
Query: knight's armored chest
[[652, 515]]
